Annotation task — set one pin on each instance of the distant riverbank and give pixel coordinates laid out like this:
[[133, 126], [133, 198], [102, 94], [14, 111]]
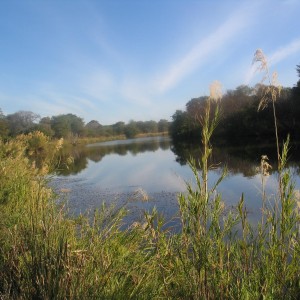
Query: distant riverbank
[[92, 140]]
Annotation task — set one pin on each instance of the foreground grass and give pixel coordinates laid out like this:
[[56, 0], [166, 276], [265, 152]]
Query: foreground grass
[[44, 254]]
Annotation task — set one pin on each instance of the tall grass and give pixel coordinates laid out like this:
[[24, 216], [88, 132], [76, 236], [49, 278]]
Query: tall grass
[[217, 254], [46, 255]]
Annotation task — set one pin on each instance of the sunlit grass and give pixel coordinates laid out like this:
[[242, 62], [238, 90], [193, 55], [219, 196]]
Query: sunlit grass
[[46, 254]]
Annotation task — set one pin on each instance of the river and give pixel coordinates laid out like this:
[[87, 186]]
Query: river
[[150, 172]]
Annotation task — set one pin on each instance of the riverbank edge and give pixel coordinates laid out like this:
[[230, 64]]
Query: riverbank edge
[[91, 140]]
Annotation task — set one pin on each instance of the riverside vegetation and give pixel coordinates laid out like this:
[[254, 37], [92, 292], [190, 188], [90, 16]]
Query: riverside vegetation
[[241, 123], [47, 254]]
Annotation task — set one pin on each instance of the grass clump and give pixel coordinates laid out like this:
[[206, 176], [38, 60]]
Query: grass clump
[[46, 255]]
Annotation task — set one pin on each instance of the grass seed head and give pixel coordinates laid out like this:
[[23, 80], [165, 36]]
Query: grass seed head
[[259, 57], [215, 90], [265, 167]]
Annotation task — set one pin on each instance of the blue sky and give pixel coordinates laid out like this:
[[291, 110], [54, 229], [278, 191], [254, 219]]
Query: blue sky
[[117, 60]]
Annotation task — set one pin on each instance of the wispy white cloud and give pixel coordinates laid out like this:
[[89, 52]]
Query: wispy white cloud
[[148, 92], [97, 85], [205, 49], [284, 52], [52, 102], [86, 103], [136, 92], [274, 58]]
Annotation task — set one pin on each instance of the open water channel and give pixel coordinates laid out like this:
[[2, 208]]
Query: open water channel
[[150, 172]]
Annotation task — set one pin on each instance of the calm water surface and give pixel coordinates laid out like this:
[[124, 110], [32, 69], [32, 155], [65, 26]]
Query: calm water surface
[[118, 171]]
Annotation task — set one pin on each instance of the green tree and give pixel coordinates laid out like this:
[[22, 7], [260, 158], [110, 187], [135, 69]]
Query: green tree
[[118, 128], [3, 125], [236, 100], [150, 126], [21, 122], [45, 126], [163, 125], [107, 130], [182, 125], [131, 129], [67, 125], [195, 107], [61, 126], [93, 128]]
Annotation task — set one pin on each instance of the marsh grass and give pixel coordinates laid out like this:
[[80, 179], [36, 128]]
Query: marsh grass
[[216, 254]]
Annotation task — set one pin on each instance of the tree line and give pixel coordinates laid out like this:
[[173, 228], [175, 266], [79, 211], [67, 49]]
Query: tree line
[[241, 119], [70, 126]]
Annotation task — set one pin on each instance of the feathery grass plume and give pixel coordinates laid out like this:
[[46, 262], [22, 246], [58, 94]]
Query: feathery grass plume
[[260, 57], [265, 166], [215, 90], [271, 92], [59, 144], [272, 89]]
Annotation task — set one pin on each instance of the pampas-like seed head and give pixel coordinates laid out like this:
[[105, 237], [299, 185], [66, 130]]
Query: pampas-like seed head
[[260, 57], [215, 90], [265, 166], [272, 91]]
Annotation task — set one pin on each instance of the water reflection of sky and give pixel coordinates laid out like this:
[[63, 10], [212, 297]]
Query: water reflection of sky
[[116, 177], [153, 171]]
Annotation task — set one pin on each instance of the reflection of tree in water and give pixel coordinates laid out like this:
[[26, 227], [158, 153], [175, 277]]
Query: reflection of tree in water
[[136, 148], [164, 144], [94, 156], [79, 161], [81, 154], [118, 149], [294, 158], [238, 160]]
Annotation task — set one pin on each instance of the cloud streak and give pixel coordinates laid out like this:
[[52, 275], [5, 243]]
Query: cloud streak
[[204, 50], [276, 57], [148, 92], [136, 92], [284, 52], [98, 85]]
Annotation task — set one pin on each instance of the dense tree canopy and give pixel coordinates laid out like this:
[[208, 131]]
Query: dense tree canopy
[[163, 125], [118, 128], [45, 126], [241, 122], [21, 121], [93, 128], [67, 125], [71, 126]]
